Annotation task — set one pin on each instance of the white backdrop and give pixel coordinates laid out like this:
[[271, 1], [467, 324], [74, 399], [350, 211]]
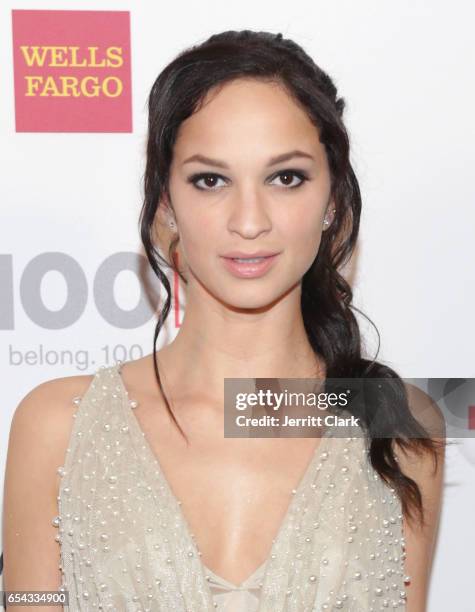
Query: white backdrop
[[406, 71]]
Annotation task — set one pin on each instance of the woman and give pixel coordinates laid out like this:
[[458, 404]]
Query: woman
[[247, 159]]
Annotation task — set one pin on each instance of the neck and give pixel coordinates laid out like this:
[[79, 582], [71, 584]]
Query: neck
[[215, 342]]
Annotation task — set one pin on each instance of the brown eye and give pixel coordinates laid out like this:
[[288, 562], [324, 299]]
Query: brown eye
[[286, 178], [209, 182]]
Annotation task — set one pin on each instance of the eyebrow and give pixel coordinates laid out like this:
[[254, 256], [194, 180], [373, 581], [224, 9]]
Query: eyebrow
[[272, 161]]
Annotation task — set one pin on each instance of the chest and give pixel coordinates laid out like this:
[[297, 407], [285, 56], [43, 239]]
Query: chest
[[234, 493]]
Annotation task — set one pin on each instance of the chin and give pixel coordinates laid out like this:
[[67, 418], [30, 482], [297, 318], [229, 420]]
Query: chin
[[252, 296]]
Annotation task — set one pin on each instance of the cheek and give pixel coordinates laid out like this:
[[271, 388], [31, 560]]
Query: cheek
[[302, 241], [303, 233], [198, 237], [191, 244]]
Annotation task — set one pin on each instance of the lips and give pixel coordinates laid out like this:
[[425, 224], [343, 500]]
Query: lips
[[249, 265], [243, 255]]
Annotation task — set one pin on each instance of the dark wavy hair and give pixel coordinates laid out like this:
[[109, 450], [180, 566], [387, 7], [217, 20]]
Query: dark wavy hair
[[326, 297]]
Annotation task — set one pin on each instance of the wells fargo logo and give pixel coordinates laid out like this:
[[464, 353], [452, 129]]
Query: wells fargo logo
[[72, 71]]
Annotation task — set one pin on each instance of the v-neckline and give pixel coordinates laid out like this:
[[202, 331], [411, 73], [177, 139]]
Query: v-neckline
[[135, 428]]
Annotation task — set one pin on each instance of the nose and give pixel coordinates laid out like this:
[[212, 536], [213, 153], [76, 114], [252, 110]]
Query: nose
[[249, 215]]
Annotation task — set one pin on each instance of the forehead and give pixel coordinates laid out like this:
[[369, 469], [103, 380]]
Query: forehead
[[247, 113]]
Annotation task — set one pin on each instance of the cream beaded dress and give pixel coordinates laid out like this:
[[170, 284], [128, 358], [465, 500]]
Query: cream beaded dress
[[125, 544]]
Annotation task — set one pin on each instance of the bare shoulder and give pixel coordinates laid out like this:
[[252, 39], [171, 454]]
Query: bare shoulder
[[43, 418], [53, 393], [426, 469], [39, 434], [40, 430]]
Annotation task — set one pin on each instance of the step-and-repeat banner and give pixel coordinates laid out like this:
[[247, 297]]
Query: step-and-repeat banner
[[76, 290]]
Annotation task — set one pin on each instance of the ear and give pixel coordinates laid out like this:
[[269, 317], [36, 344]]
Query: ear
[[162, 231], [164, 204]]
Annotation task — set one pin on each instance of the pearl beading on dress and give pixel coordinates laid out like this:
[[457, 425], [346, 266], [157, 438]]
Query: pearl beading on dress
[[125, 544]]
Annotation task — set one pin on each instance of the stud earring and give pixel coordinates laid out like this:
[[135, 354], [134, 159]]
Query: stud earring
[[172, 224], [326, 221]]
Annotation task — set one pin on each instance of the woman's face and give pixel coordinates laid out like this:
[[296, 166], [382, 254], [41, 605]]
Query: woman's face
[[230, 192]]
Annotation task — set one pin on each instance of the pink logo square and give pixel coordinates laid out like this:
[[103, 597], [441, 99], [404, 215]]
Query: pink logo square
[[72, 71]]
